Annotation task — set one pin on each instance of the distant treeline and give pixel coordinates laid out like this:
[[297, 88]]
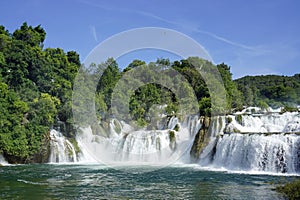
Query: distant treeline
[[271, 90]]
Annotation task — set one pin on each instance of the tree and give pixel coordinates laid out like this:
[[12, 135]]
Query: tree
[[110, 76], [133, 64], [32, 36], [233, 94], [13, 140]]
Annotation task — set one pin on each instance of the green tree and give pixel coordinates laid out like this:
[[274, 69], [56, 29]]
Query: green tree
[[32, 36]]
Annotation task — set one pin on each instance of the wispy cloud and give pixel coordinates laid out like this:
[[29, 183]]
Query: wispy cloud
[[245, 59], [153, 16], [227, 40], [194, 29], [94, 33]]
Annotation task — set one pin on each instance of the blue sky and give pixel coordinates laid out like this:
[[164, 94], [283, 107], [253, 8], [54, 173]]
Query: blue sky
[[253, 37]]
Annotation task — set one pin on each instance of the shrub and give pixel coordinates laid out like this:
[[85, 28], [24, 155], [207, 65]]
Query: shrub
[[172, 136], [239, 119], [176, 128], [291, 190], [289, 109], [228, 120]]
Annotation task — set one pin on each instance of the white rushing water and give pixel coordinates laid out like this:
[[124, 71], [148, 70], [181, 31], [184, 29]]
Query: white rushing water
[[265, 142], [62, 150], [3, 162], [265, 123], [274, 153], [126, 145], [245, 142]]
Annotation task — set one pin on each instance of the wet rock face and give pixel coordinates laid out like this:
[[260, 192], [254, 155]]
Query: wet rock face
[[201, 139], [44, 153]]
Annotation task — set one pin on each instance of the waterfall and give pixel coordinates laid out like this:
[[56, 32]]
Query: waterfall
[[218, 125], [268, 142], [268, 123], [62, 150], [273, 153], [244, 142], [3, 162], [128, 145]]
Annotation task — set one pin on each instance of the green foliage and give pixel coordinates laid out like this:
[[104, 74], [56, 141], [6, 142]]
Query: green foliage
[[289, 109], [171, 108], [176, 128], [141, 122], [101, 107], [172, 136], [233, 94], [13, 139], [133, 64], [44, 110], [228, 120], [274, 90], [263, 105], [239, 119], [110, 76], [291, 190], [205, 106], [32, 36], [36, 90]]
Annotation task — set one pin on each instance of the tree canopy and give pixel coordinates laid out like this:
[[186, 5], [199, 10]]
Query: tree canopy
[[36, 88]]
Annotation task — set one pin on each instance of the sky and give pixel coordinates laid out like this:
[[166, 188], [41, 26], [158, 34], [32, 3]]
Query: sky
[[253, 37]]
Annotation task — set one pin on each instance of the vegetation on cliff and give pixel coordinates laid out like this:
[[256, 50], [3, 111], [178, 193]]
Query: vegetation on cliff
[[35, 92]]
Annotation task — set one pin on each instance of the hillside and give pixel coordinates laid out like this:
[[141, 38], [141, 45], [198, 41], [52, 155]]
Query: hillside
[[273, 90]]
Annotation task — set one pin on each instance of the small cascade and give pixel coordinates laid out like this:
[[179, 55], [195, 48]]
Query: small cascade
[[218, 125], [62, 150], [193, 124], [3, 162], [172, 122], [265, 123]]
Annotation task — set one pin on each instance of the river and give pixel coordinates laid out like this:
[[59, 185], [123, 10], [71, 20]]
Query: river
[[59, 181]]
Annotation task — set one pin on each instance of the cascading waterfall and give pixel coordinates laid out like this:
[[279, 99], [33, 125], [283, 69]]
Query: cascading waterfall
[[62, 150], [126, 145], [268, 142], [256, 143]]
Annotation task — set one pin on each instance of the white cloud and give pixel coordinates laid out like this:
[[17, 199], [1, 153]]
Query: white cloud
[[94, 33]]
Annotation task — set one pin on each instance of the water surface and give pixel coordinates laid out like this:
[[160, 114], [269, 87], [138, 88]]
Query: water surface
[[100, 182]]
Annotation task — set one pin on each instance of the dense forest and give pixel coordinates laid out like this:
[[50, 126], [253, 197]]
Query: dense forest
[[36, 92], [270, 90]]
